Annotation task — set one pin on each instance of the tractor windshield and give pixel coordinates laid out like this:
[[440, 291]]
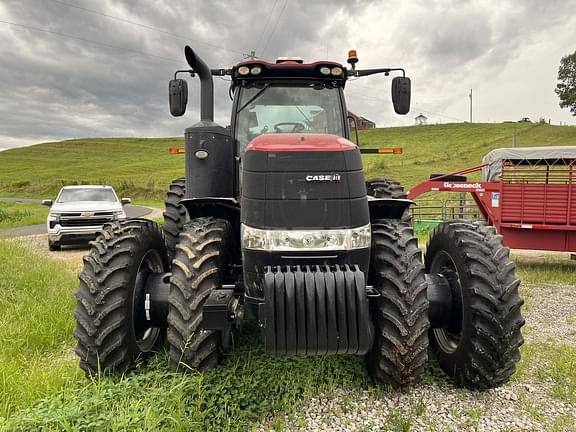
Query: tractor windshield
[[284, 108]]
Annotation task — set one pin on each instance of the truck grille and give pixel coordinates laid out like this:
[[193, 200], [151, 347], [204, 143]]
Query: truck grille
[[83, 222]]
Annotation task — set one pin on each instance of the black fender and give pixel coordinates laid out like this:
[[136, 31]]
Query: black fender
[[388, 208], [218, 207], [222, 208]]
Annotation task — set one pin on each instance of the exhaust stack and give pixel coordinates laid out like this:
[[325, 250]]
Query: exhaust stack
[[206, 84]]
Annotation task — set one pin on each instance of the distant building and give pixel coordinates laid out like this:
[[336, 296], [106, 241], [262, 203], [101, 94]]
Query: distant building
[[361, 122], [421, 120]]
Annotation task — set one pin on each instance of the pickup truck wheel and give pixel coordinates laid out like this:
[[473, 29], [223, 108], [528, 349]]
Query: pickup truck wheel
[[54, 246]]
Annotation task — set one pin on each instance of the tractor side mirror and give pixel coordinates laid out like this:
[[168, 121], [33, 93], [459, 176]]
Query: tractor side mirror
[[125, 201], [47, 203], [401, 94], [178, 90]]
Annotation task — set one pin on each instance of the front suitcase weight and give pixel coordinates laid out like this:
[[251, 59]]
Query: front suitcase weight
[[316, 311]]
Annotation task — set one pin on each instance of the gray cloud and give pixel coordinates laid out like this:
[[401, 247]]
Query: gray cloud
[[53, 87]]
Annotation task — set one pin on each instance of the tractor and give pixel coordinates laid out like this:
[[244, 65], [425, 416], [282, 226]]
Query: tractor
[[274, 222]]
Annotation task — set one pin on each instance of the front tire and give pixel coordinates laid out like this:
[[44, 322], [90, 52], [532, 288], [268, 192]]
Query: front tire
[[479, 347], [198, 268], [111, 328], [401, 312]]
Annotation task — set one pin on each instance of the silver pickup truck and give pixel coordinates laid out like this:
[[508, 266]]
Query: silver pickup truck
[[79, 212]]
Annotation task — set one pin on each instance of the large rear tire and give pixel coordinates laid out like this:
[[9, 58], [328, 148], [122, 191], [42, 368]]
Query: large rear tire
[[388, 188], [175, 214], [198, 268], [479, 348], [111, 328], [385, 188], [400, 313]]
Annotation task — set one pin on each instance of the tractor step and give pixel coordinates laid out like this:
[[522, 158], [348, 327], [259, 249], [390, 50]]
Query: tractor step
[[316, 310]]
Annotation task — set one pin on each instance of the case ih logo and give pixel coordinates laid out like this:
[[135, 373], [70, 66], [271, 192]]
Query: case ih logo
[[323, 178]]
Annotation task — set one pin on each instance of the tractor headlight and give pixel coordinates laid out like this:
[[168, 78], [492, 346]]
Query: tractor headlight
[[325, 70], [294, 240], [243, 70]]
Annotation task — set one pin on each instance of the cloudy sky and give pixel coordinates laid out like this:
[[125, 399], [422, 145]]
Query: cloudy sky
[[90, 68]]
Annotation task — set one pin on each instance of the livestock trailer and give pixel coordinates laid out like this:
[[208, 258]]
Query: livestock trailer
[[527, 194]]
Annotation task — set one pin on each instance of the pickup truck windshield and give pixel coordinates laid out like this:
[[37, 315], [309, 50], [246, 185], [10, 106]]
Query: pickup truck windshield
[[285, 108], [88, 194]]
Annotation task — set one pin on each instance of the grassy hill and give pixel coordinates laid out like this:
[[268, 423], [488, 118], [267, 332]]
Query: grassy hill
[[143, 168], [449, 147]]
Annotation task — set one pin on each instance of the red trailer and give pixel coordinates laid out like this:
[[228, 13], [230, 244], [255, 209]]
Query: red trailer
[[527, 194]]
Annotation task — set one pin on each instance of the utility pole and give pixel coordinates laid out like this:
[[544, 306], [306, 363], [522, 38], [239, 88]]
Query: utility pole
[[470, 105]]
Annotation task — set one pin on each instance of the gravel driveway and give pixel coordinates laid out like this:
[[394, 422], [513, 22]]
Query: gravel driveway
[[524, 404]]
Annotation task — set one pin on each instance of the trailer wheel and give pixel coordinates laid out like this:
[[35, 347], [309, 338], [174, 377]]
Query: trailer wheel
[[479, 346], [111, 328], [400, 313], [198, 268], [175, 214], [388, 188]]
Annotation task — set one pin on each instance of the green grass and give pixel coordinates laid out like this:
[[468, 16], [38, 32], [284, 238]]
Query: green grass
[[554, 363], [41, 386], [142, 168], [35, 327], [14, 214], [545, 268], [446, 148]]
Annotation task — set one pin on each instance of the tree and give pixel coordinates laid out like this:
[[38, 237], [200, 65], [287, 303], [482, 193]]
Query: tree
[[566, 88]]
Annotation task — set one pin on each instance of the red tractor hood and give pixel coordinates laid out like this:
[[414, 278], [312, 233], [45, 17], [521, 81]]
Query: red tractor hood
[[295, 142]]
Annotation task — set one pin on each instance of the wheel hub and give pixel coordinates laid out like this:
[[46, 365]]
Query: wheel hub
[[149, 279], [445, 297]]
